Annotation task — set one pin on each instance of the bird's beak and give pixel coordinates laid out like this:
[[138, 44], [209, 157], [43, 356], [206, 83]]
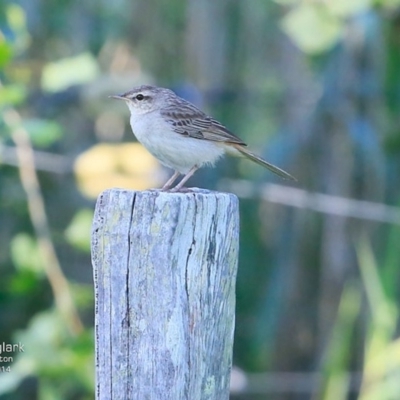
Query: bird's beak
[[118, 96]]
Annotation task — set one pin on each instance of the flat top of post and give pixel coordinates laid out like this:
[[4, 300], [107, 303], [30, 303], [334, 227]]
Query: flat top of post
[[186, 192]]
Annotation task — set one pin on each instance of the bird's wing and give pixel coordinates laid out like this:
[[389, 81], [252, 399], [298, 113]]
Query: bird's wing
[[188, 120]]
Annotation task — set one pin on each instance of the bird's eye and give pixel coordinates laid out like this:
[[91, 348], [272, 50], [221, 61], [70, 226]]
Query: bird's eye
[[139, 97]]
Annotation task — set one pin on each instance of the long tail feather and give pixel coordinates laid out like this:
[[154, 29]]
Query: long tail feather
[[283, 174]]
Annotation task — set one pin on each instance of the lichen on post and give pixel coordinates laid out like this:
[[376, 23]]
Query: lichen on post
[[164, 272]]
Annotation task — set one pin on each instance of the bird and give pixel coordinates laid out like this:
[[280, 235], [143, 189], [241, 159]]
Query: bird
[[181, 136]]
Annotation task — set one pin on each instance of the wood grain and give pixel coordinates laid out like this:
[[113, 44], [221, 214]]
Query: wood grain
[[164, 271]]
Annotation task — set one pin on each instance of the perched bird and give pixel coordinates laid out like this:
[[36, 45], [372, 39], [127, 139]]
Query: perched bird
[[181, 136]]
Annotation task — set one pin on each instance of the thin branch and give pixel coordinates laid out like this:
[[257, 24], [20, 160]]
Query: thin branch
[[264, 383], [44, 161], [319, 202], [30, 183]]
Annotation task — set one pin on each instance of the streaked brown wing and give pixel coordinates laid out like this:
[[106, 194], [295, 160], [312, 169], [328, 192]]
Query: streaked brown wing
[[188, 120]]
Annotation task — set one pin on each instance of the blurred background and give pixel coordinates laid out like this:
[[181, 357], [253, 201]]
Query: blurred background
[[312, 85]]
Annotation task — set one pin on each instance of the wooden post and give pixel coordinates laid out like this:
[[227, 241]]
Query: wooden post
[[164, 272]]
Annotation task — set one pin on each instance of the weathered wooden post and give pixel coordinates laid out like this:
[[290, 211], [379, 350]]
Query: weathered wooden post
[[164, 271]]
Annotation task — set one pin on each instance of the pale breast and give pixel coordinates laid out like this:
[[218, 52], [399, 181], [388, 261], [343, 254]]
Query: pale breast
[[170, 148]]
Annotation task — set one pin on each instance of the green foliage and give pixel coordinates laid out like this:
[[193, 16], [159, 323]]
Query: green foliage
[[60, 360], [316, 26], [24, 283], [5, 52], [338, 357], [79, 229], [70, 71], [12, 94], [381, 375], [43, 133], [16, 21], [83, 295], [25, 254], [381, 371], [239, 63], [63, 363], [312, 27]]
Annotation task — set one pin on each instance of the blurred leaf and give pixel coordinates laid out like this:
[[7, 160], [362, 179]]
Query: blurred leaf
[[384, 389], [25, 253], [381, 372], [16, 17], [71, 71], [47, 391], [24, 283], [390, 270], [381, 375], [345, 8], [287, 2], [6, 53], [312, 27], [383, 312], [58, 360], [16, 20], [341, 7], [13, 94], [79, 229], [43, 133], [390, 4], [83, 295], [336, 380]]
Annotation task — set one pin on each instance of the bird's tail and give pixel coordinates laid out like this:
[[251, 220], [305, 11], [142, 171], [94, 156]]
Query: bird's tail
[[247, 153]]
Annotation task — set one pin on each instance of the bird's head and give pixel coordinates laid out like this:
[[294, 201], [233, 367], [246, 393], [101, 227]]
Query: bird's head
[[144, 99]]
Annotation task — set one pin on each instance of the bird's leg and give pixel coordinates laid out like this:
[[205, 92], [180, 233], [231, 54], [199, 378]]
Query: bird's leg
[[185, 178], [171, 180]]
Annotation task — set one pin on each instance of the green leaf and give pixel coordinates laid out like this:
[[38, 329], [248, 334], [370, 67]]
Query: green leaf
[[6, 52], [287, 2], [389, 4], [335, 384], [56, 356], [25, 253], [346, 8], [24, 283], [58, 360], [12, 94], [312, 28], [43, 133], [78, 231], [16, 17], [16, 20], [64, 73], [83, 295]]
